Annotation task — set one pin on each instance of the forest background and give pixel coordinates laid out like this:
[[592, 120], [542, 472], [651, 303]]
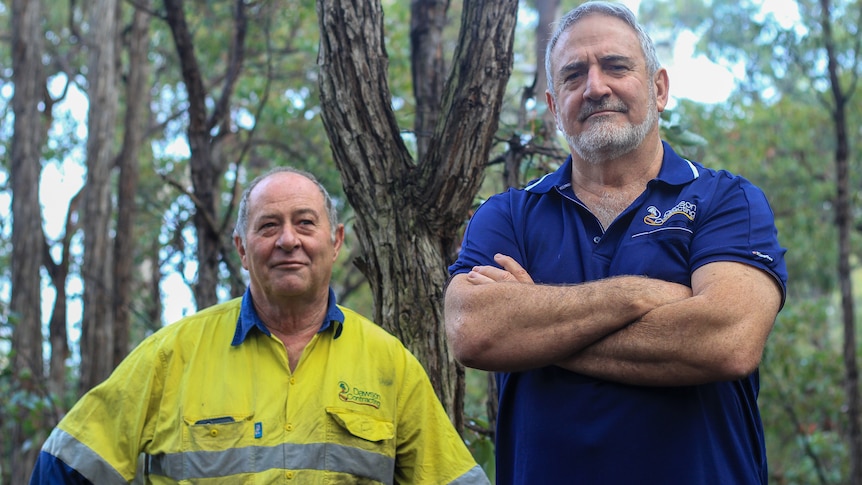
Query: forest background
[[411, 113]]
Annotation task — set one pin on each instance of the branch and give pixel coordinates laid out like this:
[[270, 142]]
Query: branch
[[246, 146], [237, 54], [199, 206]]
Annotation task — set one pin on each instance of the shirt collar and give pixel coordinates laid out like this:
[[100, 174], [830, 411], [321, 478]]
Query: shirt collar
[[675, 170], [249, 319]]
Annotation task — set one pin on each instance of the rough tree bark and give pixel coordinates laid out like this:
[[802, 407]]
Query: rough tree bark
[[427, 66], [408, 212], [97, 326], [27, 239], [206, 173]]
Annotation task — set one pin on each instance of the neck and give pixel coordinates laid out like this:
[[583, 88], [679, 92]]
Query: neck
[[635, 168], [291, 316], [608, 188], [294, 322]]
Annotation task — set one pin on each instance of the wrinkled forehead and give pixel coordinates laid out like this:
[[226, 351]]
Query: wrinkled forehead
[[287, 187], [597, 35]]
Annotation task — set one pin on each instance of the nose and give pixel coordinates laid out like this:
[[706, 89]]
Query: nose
[[596, 86], [287, 240]]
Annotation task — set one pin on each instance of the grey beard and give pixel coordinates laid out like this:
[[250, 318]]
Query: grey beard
[[602, 143]]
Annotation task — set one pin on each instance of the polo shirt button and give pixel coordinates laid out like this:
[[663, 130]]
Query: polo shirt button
[[597, 239], [293, 380]]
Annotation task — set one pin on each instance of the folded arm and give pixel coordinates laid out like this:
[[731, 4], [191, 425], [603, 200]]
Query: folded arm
[[716, 335], [497, 319]]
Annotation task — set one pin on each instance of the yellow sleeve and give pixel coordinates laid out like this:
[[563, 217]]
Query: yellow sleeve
[[113, 422], [429, 450]]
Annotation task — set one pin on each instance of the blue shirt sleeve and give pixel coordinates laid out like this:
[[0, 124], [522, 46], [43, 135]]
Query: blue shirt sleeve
[[51, 470], [491, 230]]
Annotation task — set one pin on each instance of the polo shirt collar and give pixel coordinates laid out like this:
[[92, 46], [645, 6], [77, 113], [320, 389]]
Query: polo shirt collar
[[675, 170], [249, 319]]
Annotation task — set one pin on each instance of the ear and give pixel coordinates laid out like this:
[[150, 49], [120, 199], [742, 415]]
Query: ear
[[339, 240], [240, 249], [552, 105], [662, 88]]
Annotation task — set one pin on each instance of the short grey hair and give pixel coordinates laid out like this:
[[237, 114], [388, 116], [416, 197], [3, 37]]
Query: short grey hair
[[616, 10], [241, 226]]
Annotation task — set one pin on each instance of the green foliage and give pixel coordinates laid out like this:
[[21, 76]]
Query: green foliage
[[27, 409], [802, 397], [775, 130], [478, 432]]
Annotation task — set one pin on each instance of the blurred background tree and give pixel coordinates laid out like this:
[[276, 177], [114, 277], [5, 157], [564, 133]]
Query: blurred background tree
[[123, 148]]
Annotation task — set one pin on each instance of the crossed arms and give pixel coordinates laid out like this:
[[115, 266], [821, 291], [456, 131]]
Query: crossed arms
[[627, 329]]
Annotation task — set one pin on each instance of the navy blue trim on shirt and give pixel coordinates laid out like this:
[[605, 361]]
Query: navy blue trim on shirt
[[249, 319]]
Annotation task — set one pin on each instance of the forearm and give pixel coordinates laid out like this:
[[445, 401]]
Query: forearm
[[693, 341], [661, 349], [511, 326]]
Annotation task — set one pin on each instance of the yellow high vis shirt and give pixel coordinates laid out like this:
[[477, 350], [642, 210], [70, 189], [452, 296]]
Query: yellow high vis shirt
[[359, 408]]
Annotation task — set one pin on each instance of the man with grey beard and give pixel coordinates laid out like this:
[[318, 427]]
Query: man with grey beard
[[624, 301]]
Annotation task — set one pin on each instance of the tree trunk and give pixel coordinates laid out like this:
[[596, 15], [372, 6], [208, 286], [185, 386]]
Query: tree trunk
[[27, 239], [59, 273], [844, 221], [428, 67], [137, 109], [97, 327], [206, 172], [408, 213], [548, 11]]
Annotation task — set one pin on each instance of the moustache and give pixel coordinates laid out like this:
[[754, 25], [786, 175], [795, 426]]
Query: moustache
[[591, 107]]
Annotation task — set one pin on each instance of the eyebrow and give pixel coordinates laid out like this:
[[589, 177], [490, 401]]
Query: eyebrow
[[306, 211], [610, 58]]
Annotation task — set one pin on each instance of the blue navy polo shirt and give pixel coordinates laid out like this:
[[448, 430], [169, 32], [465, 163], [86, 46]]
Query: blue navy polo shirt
[[556, 426]]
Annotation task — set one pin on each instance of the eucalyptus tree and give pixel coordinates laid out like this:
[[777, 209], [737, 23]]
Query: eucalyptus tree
[[29, 80], [97, 333], [409, 210], [136, 120], [206, 129]]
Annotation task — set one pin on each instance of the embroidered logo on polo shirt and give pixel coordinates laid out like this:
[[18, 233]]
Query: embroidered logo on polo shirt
[[358, 396], [656, 218]]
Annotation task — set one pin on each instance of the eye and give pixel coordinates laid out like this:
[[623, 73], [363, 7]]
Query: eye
[[573, 75], [265, 227]]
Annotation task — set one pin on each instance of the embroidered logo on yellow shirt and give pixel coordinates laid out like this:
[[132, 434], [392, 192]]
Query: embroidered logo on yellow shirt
[[358, 396]]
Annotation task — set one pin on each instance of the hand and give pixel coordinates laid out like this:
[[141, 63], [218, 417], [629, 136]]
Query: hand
[[511, 272]]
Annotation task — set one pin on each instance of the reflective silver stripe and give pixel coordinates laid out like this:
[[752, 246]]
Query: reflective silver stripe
[[80, 457], [255, 459], [474, 476]]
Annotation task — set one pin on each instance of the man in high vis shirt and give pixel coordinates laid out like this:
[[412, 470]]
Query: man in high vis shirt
[[279, 386]]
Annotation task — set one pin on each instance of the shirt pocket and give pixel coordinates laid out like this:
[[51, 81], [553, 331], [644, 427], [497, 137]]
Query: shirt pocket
[[217, 433], [359, 430], [663, 253]]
